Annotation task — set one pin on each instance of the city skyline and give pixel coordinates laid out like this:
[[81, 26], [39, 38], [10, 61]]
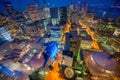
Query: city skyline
[[95, 3], [62, 41], [100, 7]]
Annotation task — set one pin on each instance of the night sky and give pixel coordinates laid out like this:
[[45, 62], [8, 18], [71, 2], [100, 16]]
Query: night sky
[[99, 6], [21, 4]]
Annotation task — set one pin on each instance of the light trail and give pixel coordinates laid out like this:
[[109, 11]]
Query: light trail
[[94, 42], [54, 74], [66, 30]]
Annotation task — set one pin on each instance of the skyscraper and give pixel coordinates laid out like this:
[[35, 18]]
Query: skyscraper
[[54, 12], [78, 7], [54, 15], [71, 6], [83, 9], [63, 15], [70, 10], [33, 12], [9, 8], [4, 34], [74, 17], [47, 12]]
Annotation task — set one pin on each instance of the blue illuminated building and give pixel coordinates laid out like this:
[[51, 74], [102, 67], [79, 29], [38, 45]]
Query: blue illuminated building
[[51, 51], [52, 48], [5, 70], [15, 74]]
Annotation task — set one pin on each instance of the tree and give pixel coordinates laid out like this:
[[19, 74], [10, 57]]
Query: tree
[[50, 67]]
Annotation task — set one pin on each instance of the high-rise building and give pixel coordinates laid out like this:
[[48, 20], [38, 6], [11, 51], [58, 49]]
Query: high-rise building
[[83, 9], [55, 34], [84, 6], [72, 42], [63, 15], [44, 21], [47, 12], [54, 12], [4, 34], [9, 8], [33, 12], [90, 16], [31, 29], [78, 7], [42, 13], [50, 53], [71, 6], [54, 15], [74, 18], [70, 10]]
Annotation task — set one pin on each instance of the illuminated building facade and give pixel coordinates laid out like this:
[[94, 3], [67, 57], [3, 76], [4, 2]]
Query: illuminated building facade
[[67, 58], [5, 35], [41, 27], [54, 39], [41, 13], [89, 16], [70, 10], [71, 6], [47, 12], [33, 12], [52, 49], [74, 18], [115, 44], [83, 11], [31, 29], [86, 44], [104, 64], [55, 34], [54, 15], [9, 8], [44, 21], [63, 15], [50, 52], [78, 6], [72, 42]]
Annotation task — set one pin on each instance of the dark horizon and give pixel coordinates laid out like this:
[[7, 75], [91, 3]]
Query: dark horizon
[[111, 7]]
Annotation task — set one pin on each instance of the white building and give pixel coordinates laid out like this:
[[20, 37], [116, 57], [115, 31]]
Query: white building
[[5, 34], [67, 61]]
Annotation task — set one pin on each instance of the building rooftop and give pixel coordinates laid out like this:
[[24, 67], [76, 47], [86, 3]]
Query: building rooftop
[[104, 60], [67, 53]]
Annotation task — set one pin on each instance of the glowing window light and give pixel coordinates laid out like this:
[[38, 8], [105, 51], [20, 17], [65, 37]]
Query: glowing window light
[[94, 43]]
